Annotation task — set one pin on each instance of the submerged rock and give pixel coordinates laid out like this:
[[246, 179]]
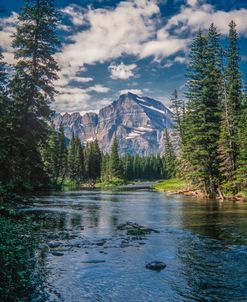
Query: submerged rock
[[93, 261], [54, 244], [156, 266], [55, 253], [135, 229]]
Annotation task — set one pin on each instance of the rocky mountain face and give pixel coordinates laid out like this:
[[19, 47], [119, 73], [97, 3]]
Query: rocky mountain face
[[138, 122]]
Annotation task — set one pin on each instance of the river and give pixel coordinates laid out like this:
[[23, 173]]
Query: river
[[203, 243]]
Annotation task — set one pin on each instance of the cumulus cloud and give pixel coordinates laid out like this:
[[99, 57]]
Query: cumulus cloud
[[75, 13], [191, 18], [122, 71], [8, 28], [179, 60], [134, 91], [123, 30], [72, 98], [79, 103], [163, 48]]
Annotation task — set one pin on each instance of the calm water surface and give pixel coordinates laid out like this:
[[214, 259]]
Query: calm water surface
[[203, 243]]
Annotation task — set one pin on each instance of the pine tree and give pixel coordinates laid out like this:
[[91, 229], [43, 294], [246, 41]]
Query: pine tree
[[241, 174], [170, 157], [32, 89], [177, 106], [115, 160], [229, 138], [78, 161], [4, 114], [62, 154], [202, 119], [95, 161], [71, 171]]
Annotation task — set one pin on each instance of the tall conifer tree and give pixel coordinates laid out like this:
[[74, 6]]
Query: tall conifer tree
[[115, 160], [32, 88], [230, 123], [202, 121], [4, 106]]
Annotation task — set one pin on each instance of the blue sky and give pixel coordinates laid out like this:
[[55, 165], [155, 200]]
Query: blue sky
[[109, 47]]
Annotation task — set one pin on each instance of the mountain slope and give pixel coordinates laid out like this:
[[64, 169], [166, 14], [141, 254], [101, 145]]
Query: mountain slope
[[137, 121]]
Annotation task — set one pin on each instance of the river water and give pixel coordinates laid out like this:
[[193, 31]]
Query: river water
[[203, 243]]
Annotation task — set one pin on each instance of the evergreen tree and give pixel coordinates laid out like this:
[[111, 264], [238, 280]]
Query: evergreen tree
[[4, 114], [177, 106], [170, 157], [32, 89], [54, 155], [202, 119], [115, 160], [242, 157], [95, 160], [229, 138], [62, 154], [72, 152], [78, 161]]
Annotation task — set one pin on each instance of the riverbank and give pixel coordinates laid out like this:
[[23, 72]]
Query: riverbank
[[179, 186], [17, 254], [176, 186]]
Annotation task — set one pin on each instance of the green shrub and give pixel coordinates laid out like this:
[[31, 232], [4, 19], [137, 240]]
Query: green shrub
[[16, 251]]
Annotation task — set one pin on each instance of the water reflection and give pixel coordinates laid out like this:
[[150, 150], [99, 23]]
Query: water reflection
[[202, 243]]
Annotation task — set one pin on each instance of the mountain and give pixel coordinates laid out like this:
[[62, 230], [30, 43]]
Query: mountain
[[138, 122]]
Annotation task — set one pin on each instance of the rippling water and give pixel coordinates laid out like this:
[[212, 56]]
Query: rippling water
[[203, 243]]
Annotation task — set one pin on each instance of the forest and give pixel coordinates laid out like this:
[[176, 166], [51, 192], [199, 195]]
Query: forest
[[207, 146]]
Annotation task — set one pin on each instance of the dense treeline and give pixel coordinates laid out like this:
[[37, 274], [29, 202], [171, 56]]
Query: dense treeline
[[87, 164], [212, 127]]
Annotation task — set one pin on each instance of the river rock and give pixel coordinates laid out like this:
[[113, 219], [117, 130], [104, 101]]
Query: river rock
[[93, 261], [156, 266], [135, 229], [55, 253], [54, 244]]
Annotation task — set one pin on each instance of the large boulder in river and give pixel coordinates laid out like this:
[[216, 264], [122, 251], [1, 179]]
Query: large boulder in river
[[156, 266]]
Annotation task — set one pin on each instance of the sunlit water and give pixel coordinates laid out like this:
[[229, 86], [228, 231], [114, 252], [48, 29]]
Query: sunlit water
[[203, 243]]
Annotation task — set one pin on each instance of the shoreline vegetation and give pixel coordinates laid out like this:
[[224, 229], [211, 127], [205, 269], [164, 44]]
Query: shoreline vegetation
[[175, 186]]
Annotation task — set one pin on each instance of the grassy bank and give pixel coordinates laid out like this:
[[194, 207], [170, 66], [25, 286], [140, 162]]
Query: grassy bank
[[111, 183], [171, 185]]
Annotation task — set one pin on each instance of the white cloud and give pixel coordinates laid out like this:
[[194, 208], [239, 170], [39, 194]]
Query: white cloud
[[8, 28], [122, 71], [75, 13], [97, 88], [164, 48], [72, 99], [179, 60], [71, 102], [134, 91], [110, 34], [201, 16], [81, 79]]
